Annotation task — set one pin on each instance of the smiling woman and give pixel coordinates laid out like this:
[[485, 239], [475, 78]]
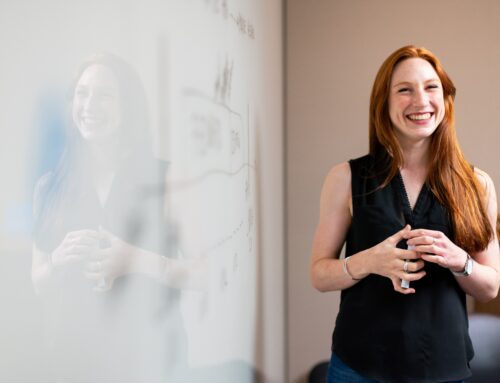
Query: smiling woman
[[416, 104], [109, 279], [418, 223], [96, 104]]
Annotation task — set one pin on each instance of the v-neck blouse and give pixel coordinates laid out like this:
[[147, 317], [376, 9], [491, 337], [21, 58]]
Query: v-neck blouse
[[386, 335]]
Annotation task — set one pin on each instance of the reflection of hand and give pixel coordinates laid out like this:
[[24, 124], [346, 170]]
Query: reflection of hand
[[436, 247], [389, 261], [75, 246], [110, 262]]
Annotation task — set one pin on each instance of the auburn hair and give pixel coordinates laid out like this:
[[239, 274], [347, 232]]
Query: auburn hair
[[450, 177]]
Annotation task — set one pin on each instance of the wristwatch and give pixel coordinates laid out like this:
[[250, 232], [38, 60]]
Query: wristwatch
[[467, 268]]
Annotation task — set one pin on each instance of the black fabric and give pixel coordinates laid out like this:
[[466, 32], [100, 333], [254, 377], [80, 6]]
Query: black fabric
[[385, 335], [318, 373]]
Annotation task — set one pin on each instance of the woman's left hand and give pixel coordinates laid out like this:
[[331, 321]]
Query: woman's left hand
[[436, 247], [112, 260]]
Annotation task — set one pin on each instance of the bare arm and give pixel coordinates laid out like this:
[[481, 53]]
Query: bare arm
[[484, 281], [116, 260], [385, 259], [75, 247], [40, 270], [122, 258]]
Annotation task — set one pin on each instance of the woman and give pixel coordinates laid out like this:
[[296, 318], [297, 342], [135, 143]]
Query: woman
[[419, 227], [104, 256]]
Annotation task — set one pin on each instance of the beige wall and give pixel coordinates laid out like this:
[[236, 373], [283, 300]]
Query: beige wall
[[334, 49]]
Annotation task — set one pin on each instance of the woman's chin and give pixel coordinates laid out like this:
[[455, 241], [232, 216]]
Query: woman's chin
[[95, 136]]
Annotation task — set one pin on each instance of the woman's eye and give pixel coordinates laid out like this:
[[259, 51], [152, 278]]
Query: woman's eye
[[403, 90], [80, 93], [433, 86], [106, 96]]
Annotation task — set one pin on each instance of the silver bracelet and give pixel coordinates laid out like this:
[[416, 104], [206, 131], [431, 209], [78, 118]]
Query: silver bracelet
[[346, 270]]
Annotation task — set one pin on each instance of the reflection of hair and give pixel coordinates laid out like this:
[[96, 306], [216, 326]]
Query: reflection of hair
[[451, 178], [133, 138]]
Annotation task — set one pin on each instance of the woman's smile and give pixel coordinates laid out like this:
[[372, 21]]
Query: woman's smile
[[416, 100]]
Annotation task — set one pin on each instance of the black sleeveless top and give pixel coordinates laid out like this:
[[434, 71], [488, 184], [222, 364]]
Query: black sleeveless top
[[383, 334]]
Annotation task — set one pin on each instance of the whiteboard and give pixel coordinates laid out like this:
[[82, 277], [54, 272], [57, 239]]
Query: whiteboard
[[205, 66]]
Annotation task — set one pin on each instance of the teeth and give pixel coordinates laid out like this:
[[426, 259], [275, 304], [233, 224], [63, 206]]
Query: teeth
[[423, 116], [90, 120]]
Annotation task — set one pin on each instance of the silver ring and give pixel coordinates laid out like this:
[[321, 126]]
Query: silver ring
[[405, 266], [99, 267]]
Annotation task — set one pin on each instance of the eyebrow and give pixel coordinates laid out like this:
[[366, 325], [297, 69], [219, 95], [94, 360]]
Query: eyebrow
[[434, 79]]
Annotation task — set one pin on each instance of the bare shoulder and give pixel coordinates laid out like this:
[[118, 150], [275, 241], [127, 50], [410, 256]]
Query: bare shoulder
[[485, 180], [336, 192], [490, 193], [339, 177]]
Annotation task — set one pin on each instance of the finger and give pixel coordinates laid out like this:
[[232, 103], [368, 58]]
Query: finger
[[415, 266], [429, 249], [76, 238], [400, 235], [422, 240], [73, 258], [424, 232], [412, 276], [96, 266], [81, 250], [85, 240], [66, 259], [83, 232], [437, 259], [99, 255], [407, 254], [396, 283], [103, 285], [93, 270]]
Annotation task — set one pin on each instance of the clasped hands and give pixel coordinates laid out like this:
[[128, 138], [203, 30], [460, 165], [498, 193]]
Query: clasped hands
[[428, 245], [103, 255]]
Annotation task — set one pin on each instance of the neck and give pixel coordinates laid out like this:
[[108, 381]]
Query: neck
[[103, 157], [415, 155]]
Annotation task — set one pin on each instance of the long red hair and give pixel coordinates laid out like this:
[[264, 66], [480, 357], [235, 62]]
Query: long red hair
[[450, 178]]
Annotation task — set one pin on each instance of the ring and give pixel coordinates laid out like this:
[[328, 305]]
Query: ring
[[405, 266], [99, 267]]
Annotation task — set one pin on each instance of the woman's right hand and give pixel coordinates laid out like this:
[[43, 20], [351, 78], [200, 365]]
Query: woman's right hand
[[388, 261], [75, 246]]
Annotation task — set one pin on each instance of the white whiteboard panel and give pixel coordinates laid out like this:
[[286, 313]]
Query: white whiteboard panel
[[195, 310]]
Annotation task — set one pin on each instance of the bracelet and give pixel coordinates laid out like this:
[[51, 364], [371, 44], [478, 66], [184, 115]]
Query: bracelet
[[346, 270]]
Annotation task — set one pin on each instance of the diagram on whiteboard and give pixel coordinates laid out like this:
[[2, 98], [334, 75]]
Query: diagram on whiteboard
[[211, 185]]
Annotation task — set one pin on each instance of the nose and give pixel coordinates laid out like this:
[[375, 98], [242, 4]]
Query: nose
[[420, 97], [91, 102]]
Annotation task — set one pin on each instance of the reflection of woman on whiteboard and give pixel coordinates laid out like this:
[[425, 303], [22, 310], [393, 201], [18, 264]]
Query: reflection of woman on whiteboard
[[103, 255], [419, 225]]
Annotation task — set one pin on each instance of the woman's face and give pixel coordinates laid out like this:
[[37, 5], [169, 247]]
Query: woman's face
[[96, 104], [416, 103]]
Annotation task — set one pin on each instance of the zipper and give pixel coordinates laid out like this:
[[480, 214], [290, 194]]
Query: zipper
[[410, 216]]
